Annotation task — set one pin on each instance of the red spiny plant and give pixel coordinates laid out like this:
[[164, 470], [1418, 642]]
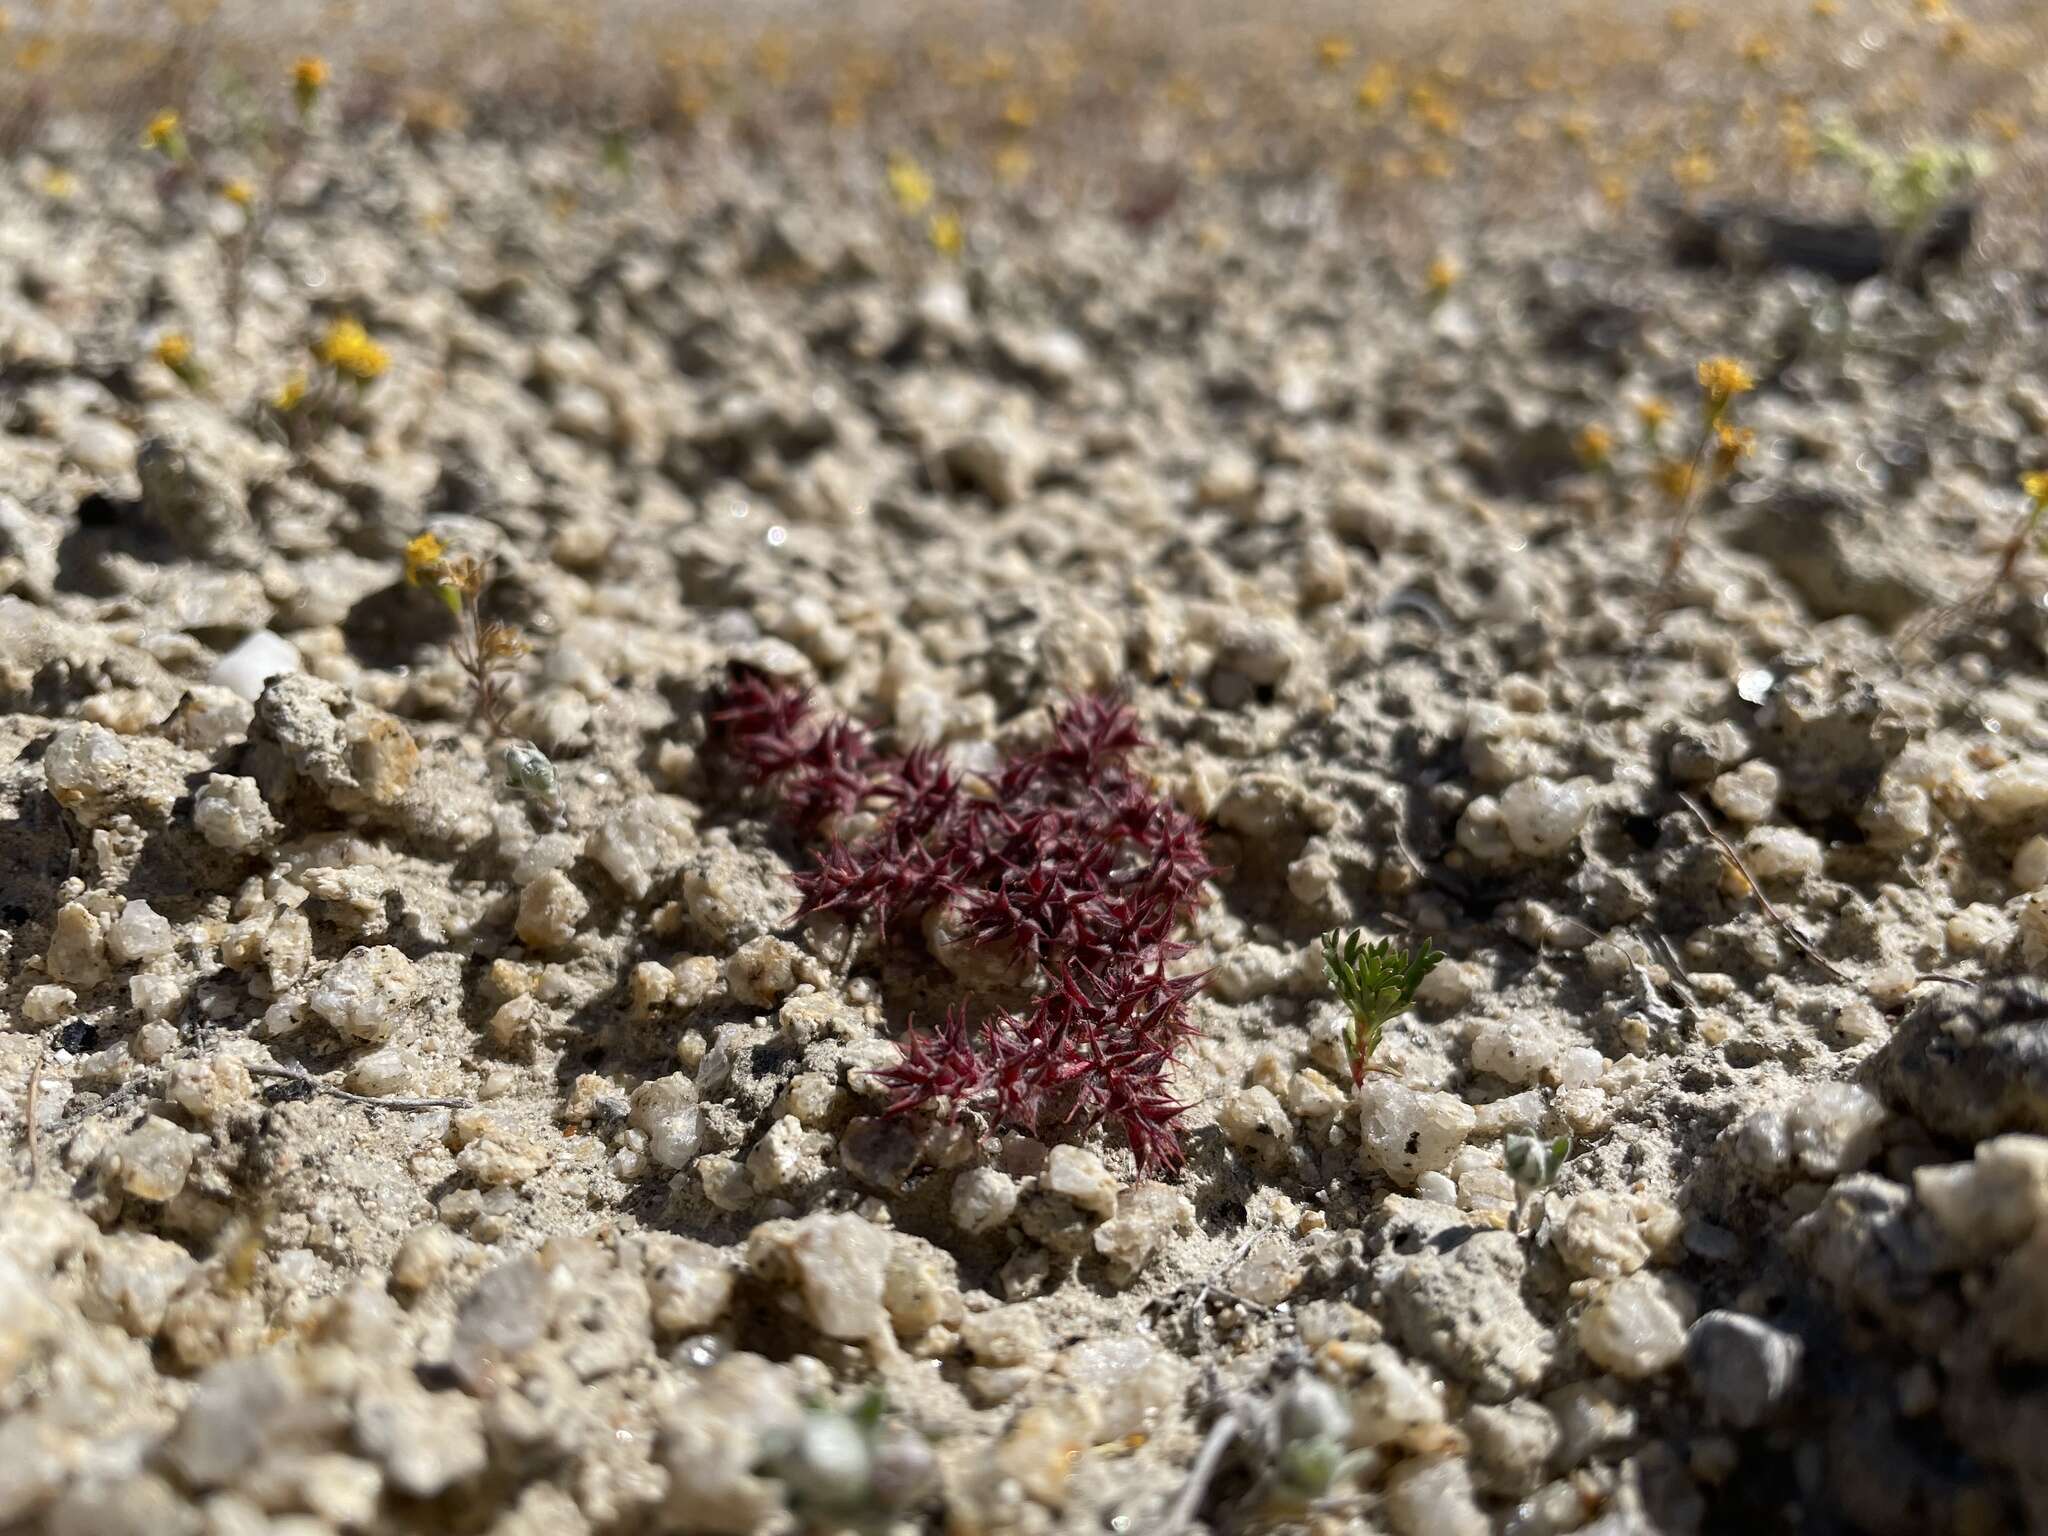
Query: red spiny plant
[[1063, 858]]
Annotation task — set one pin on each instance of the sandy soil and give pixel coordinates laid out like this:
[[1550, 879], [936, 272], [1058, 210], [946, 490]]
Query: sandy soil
[[425, 1117]]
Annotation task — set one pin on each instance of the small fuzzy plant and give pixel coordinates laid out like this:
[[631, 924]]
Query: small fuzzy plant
[[850, 1469], [1064, 861], [1377, 983], [1534, 1164]]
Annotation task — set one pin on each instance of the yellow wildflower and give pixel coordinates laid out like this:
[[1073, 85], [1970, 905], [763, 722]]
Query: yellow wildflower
[[290, 393], [2035, 484], [347, 348], [1721, 380], [1674, 479], [309, 74], [1376, 86], [1652, 413], [909, 185], [239, 191], [1013, 164], [948, 238], [1333, 52], [61, 185], [1594, 445], [423, 558], [1693, 170], [1019, 111], [1732, 445], [1441, 276], [174, 351], [164, 136]]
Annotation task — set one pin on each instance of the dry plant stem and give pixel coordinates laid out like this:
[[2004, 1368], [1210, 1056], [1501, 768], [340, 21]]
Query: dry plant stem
[[1681, 524], [1181, 1515], [1728, 852], [473, 655], [35, 1140], [297, 1075], [2008, 563]]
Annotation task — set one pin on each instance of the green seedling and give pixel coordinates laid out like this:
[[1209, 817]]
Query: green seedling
[[1906, 190], [1377, 983]]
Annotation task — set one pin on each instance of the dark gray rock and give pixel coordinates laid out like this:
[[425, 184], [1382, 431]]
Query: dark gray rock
[[1743, 1369]]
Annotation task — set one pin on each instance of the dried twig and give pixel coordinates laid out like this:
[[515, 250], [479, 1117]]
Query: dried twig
[[1728, 852], [35, 1140], [1200, 1473], [319, 1085]]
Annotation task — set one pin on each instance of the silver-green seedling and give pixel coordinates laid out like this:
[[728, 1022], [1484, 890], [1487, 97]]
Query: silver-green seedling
[[1377, 983], [1533, 1164]]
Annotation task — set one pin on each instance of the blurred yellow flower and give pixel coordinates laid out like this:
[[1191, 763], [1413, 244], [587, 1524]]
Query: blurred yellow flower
[[909, 184], [1594, 445], [61, 185], [238, 191], [1013, 164], [164, 136], [2035, 484], [1721, 380], [422, 555], [1441, 276], [347, 348], [1652, 413], [948, 238], [1376, 86], [1732, 444], [309, 74], [1333, 52], [290, 393], [174, 351]]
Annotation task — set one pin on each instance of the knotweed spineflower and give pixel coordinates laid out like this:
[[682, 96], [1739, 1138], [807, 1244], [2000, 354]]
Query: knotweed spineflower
[[486, 651], [1063, 862], [2028, 534], [1722, 381]]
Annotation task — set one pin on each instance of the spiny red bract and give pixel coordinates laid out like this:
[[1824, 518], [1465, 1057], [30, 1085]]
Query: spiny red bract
[[1065, 858]]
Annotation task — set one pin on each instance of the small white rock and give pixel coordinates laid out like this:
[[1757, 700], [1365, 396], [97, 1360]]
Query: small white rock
[[258, 658], [1542, 817], [1409, 1132], [138, 934], [1636, 1327], [366, 993], [1081, 1177], [984, 1199]]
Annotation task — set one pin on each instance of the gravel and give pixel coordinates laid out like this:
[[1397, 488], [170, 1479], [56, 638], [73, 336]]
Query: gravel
[[426, 1117]]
